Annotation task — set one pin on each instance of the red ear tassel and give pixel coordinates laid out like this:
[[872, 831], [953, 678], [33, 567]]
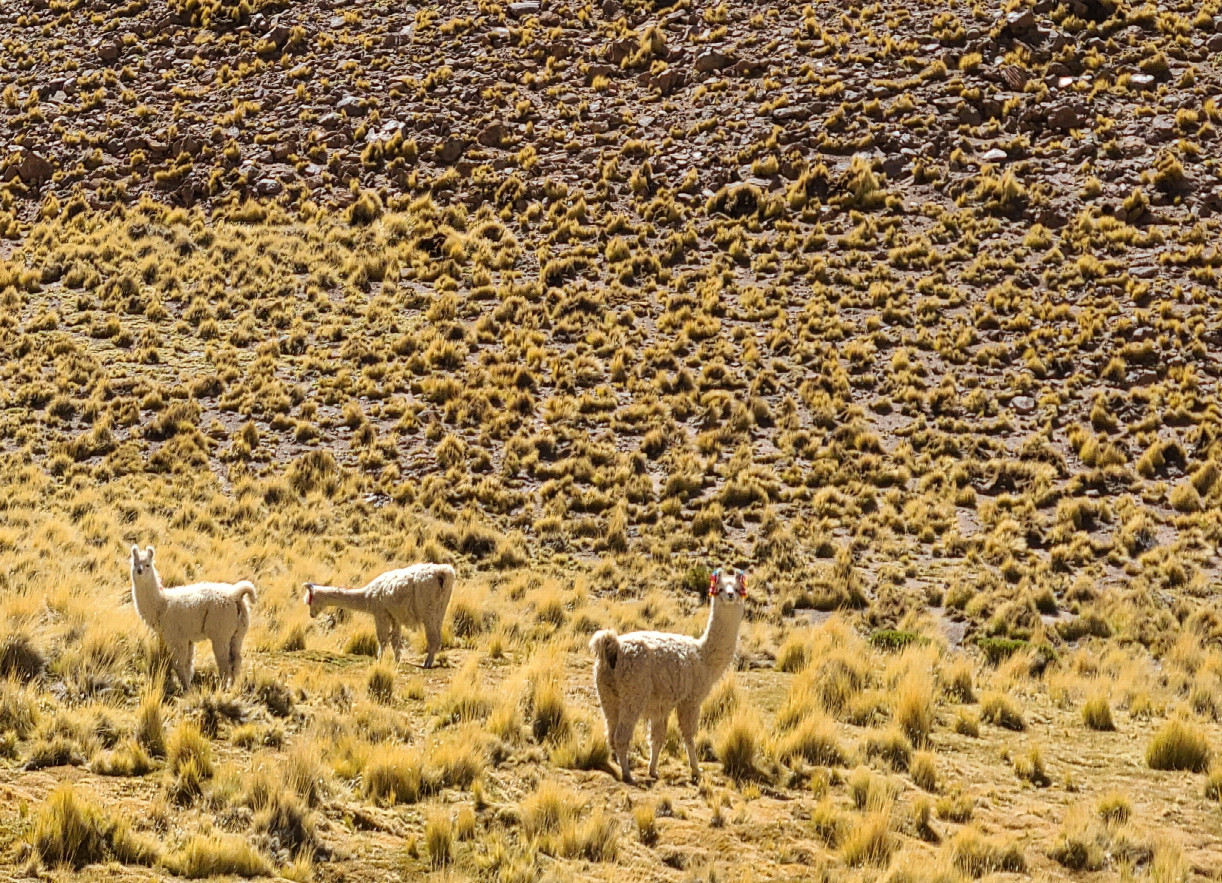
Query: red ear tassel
[[713, 583], [742, 584]]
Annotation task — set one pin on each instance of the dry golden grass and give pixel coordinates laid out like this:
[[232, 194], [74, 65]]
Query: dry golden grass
[[625, 322]]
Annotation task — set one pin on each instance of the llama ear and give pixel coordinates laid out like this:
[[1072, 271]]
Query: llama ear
[[149, 550], [309, 595], [136, 552], [741, 583], [713, 581]]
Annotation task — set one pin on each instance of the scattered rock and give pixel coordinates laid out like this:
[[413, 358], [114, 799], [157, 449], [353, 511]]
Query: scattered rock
[[1160, 129], [1023, 404], [27, 165], [109, 51], [452, 149], [524, 8], [1066, 117], [1020, 23], [713, 60], [268, 187], [995, 155], [492, 135], [350, 105], [278, 36]]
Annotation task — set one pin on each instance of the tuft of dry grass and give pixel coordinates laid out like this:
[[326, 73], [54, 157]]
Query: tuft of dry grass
[[870, 842], [914, 708], [1002, 711], [218, 854], [381, 684], [1179, 745], [976, 855], [69, 830], [1097, 713]]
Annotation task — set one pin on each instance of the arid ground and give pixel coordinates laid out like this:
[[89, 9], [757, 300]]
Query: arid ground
[[910, 310]]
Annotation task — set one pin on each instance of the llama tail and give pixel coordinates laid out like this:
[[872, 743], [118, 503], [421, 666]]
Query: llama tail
[[448, 577], [245, 589], [605, 645]]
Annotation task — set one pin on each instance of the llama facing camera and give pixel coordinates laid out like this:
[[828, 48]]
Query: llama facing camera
[[652, 673], [183, 615]]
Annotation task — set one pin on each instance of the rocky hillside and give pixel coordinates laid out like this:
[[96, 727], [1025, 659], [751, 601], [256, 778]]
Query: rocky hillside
[[914, 283]]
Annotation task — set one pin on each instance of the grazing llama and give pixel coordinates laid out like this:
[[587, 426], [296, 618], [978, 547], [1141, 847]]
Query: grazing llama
[[183, 615], [416, 595], [652, 673]]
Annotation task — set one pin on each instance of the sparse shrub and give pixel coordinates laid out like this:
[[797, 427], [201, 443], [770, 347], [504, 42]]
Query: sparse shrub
[[18, 709], [583, 750], [956, 806], [924, 771], [1029, 767], [870, 842], [1179, 745], [71, 831], [286, 821], [998, 649], [966, 724], [645, 816], [129, 759], [959, 681], [549, 717], [737, 745], [20, 660], [381, 684], [892, 746], [977, 855], [895, 641], [1097, 713], [914, 709], [794, 654], [366, 209], [362, 643], [1002, 711], [813, 738], [553, 818], [439, 838], [217, 854], [1115, 809]]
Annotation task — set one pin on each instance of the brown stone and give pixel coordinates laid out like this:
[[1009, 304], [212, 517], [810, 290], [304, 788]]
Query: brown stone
[[451, 149], [27, 165], [493, 135], [713, 60]]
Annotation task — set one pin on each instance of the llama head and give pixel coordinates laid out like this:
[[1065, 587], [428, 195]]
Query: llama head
[[142, 565], [729, 584], [309, 600]]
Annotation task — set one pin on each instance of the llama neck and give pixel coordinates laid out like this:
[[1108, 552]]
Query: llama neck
[[149, 597], [720, 635], [350, 599]]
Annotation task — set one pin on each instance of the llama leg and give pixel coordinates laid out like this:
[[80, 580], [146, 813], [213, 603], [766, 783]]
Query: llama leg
[[657, 738], [610, 705], [235, 648], [220, 650], [381, 624], [689, 717], [432, 636], [396, 638], [184, 663], [621, 741]]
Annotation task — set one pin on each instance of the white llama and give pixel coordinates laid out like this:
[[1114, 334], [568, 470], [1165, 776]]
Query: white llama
[[183, 615], [652, 673], [416, 595]]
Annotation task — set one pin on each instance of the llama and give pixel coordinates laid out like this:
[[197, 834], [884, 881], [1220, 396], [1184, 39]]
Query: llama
[[651, 673], [416, 595], [183, 615]]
